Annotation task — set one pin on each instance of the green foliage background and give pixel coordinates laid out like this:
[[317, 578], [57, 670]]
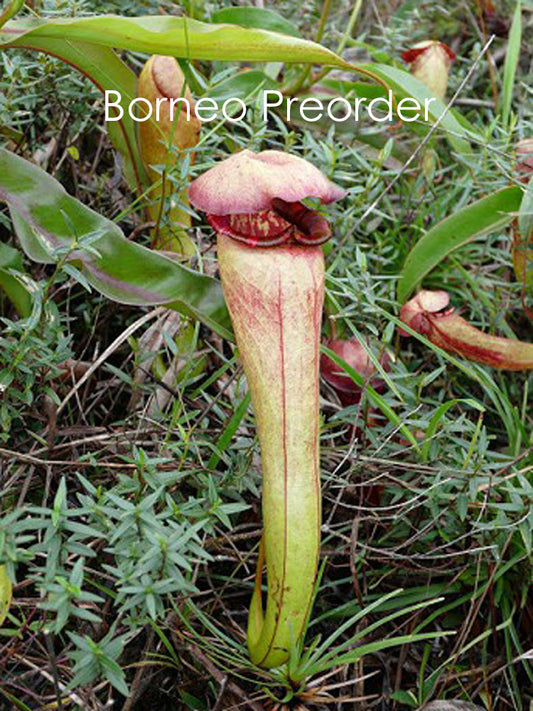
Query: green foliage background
[[130, 517]]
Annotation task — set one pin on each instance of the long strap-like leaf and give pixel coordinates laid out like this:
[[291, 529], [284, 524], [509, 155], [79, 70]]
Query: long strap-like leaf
[[52, 225], [175, 36]]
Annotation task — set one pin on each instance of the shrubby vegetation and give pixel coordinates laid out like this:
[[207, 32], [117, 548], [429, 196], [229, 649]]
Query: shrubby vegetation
[[130, 469]]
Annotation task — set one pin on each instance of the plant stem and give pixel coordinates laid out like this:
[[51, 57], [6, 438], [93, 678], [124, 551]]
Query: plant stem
[[304, 76], [344, 41]]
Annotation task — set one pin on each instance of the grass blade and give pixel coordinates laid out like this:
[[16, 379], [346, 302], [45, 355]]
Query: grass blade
[[511, 62]]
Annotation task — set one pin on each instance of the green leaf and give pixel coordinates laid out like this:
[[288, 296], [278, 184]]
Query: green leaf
[[241, 86], [52, 226], [174, 36], [525, 216], [115, 675], [11, 10], [108, 72], [403, 12], [405, 697], [484, 215], [512, 57], [229, 431], [405, 85], [5, 593], [357, 88], [365, 650], [523, 240], [18, 294], [191, 701], [17, 704], [255, 17], [436, 418]]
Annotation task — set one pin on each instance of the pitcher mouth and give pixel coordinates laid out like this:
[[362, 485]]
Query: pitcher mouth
[[283, 223]]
